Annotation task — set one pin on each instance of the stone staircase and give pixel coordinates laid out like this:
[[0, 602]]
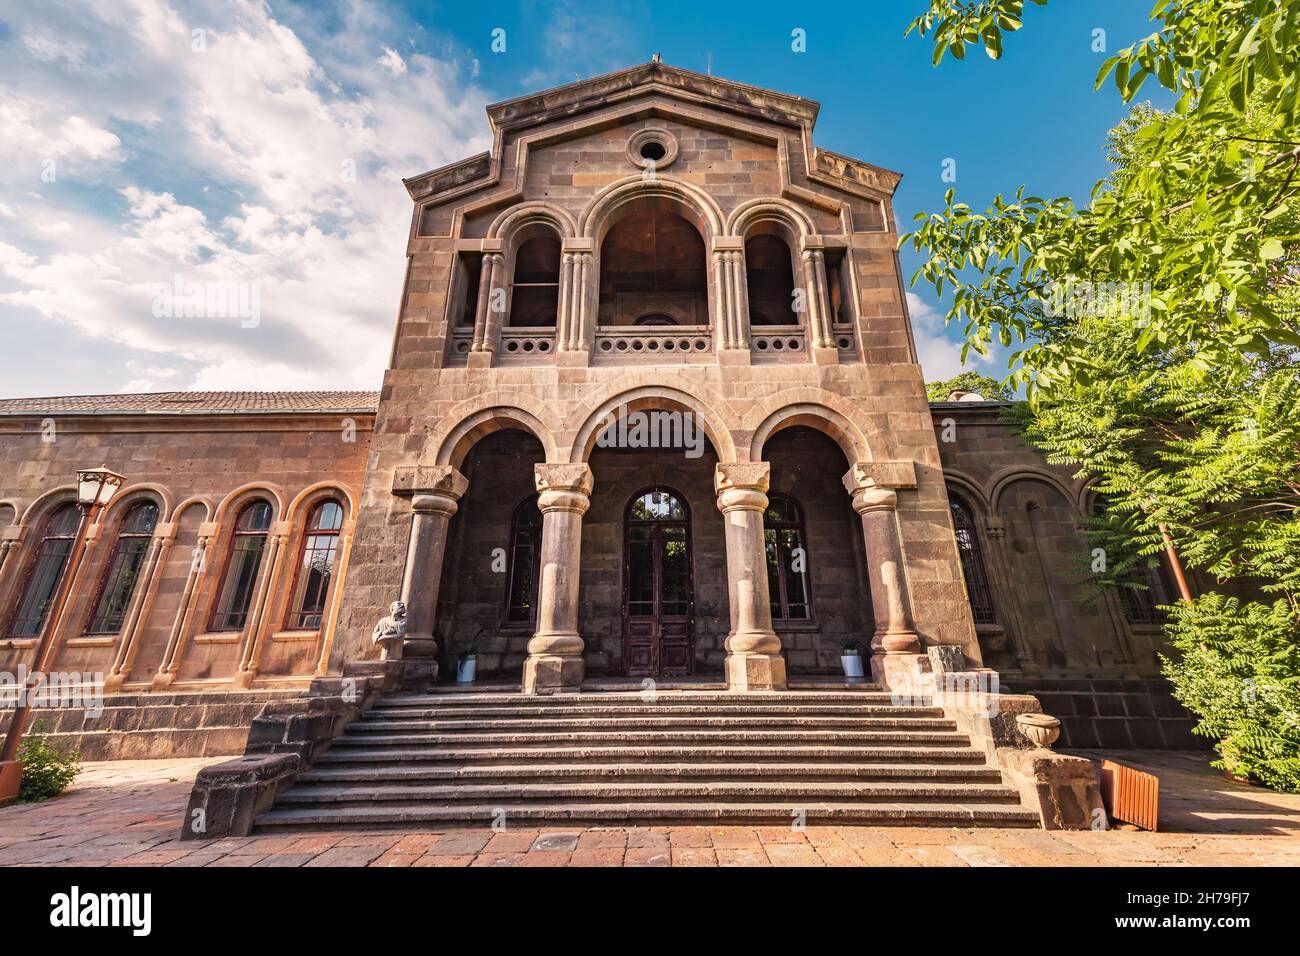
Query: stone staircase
[[848, 756]]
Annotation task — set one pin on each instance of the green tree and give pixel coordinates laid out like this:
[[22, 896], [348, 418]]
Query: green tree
[[968, 381], [1155, 332]]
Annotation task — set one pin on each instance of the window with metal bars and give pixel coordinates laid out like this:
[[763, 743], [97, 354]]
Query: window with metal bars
[[525, 557], [787, 560], [45, 572], [972, 562]]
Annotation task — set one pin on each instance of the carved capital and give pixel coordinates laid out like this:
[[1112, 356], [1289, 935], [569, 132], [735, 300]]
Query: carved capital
[[576, 479], [879, 474], [751, 475], [442, 480]]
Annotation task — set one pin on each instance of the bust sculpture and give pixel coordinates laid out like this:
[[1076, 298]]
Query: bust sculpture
[[390, 630]]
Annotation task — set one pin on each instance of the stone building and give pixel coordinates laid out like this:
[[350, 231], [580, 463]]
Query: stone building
[[653, 410]]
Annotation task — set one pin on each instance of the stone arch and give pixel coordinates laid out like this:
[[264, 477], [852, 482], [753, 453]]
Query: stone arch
[[306, 499], [473, 425], [969, 491], [604, 209], [51, 499], [821, 414], [129, 495], [192, 502], [999, 483], [521, 218], [789, 216], [587, 421], [252, 489]]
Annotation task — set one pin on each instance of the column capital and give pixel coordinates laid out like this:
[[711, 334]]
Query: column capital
[[442, 481], [728, 244], [575, 244], [753, 475], [742, 486], [563, 487], [879, 474]]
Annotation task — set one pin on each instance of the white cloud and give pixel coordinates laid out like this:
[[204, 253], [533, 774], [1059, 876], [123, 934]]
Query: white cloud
[[392, 62], [939, 355], [221, 165]]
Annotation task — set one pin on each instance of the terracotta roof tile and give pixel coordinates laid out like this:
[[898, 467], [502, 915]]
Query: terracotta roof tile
[[194, 403]]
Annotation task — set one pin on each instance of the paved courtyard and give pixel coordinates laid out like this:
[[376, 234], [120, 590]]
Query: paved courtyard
[[128, 812]]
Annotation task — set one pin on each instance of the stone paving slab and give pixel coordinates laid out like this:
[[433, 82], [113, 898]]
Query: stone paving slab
[[127, 813]]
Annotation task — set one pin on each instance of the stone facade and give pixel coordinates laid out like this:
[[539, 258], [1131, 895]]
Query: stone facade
[[628, 246]]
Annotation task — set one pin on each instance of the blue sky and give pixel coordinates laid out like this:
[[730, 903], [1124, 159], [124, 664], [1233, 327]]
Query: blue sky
[[245, 143]]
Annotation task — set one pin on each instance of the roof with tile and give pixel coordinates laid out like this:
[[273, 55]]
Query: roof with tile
[[193, 403]]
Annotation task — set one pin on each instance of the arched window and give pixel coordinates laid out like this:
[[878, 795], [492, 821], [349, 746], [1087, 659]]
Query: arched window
[[787, 560], [320, 550], [535, 293], [45, 573], [525, 556], [1143, 589], [653, 261], [972, 562], [769, 279], [247, 545], [123, 570]]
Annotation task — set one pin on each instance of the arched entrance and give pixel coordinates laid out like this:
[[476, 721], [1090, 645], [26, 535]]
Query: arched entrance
[[658, 597]]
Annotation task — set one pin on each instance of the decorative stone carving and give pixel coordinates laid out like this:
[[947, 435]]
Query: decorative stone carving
[[390, 630], [1041, 729], [429, 480], [750, 475], [879, 474], [553, 477], [946, 659]]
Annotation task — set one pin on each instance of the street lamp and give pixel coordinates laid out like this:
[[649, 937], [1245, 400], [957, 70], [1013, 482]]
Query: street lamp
[[95, 489]]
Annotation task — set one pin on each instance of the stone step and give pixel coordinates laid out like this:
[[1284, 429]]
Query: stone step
[[795, 772], [633, 738], [903, 813], [628, 709], [639, 754], [635, 697], [793, 794], [559, 723]]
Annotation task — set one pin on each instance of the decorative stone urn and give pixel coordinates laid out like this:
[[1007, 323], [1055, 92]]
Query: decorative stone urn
[[1041, 729]]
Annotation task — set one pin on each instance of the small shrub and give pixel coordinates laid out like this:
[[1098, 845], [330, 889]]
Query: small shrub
[[48, 769]]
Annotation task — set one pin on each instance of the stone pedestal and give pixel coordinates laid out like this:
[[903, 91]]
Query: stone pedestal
[[877, 506], [434, 498], [555, 651], [754, 660]]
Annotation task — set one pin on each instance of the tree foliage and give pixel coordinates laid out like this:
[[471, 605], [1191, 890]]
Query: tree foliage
[[1156, 328], [968, 381]]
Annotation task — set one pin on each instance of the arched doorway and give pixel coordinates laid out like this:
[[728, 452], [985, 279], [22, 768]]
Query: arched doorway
[[658, 597]]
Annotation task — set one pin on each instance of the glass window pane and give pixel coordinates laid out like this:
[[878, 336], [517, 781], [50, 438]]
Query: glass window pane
[[119, 585], [640, 573], [42, 587], [237, 592], [674, 594]]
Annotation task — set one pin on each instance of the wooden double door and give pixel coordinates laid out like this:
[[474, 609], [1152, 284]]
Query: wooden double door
[[658, 599]]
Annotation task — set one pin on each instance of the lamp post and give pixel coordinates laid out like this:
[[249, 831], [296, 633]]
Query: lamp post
[[95, 489]]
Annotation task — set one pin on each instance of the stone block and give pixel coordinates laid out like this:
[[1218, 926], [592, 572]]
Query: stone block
[[228, 797]]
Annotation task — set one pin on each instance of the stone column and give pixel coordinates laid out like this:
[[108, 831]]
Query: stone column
[[730, 305], [435, 494], [164, 535], [490, 309], [181, 624], [555, 652], [571, 331], [877, 506], [754, 660], [821, 344]]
